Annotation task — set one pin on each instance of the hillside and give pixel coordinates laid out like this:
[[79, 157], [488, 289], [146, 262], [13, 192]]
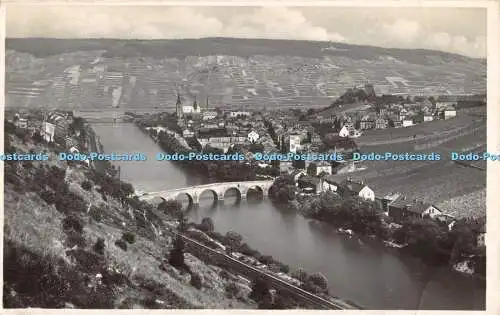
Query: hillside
[[231, 72], [70, 243]]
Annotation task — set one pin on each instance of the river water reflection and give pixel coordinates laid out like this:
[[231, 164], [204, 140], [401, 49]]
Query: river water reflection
[[364, 272]]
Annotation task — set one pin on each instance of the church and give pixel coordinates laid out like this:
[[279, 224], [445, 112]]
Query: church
[[183, 110]]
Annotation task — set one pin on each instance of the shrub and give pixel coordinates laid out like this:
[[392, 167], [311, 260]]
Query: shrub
[[48, 196], [87, 185], [196, 281], [121, 244], [75, 239], [319, 280], [99, 246], [128, 237], [73, 223]]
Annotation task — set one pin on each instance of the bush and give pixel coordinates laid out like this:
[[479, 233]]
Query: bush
[[121, 244], [319, 280], [75, 239], [73, 223], [99, 246], [196, 281], [87, 185], [128, 237]]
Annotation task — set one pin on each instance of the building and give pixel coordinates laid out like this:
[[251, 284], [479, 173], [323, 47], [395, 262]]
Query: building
[[178, 108], [293, 143], [402, 209], [191, 109], [381, 123], [285, 167], [450, 112], [22, 123], [407, 123], [367, 124], [344, 132], [446, 104], [48, 131], [239, 114], [187, 133], [358, 189], [319, 168], [253, 136], [209, 115], [310, 183], [428, 118]]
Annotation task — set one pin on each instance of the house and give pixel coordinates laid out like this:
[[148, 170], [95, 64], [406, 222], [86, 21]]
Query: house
[[318, 168], [428, 118], [481, 237], [367, 124], [48, 131], [285, 167], [310, 183], [297, 175], [359, 189], [209, 115], [381, 123], [330, 183], [344, 132], [407, 123], [398, 124], [450, 112], [445, 104], [293, 143], [253, 136], [402, 209], [188, 133], [22, 123]]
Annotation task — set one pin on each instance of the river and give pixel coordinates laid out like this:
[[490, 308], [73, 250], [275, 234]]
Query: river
[[365, 273]]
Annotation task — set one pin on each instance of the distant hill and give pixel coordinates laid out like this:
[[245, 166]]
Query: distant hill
[[178, 48], [231, 72]]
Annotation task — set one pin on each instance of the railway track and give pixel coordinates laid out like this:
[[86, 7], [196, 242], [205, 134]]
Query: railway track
[[277, 283]]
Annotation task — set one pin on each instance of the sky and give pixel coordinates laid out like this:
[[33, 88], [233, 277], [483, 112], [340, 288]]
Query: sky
[[456, 30]]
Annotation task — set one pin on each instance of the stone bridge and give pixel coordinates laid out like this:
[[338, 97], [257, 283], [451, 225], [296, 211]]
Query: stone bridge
[[217, 189]]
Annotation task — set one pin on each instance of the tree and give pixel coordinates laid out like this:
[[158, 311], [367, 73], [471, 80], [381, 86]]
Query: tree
[[319, 280], [207, 225], [171, 207], [260, 289], [233, 240], [176, 257]]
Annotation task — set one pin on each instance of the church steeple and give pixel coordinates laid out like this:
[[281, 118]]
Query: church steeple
[[178, 106], [195, 105]]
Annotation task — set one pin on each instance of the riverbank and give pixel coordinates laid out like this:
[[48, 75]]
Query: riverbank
[[432, 241]]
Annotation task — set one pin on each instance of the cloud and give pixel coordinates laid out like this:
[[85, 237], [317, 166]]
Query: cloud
[[327, 24]]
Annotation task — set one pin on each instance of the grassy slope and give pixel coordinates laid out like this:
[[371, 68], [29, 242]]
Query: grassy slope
[[35, 228]]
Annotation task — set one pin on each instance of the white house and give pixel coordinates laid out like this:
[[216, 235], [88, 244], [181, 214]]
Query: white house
[[407, 123], [450, 113], [253, 136], [344, 132], [357, 189], [209, 115], [293, 143], [428, 118], [188, 133], [239, 113], [48, 131]]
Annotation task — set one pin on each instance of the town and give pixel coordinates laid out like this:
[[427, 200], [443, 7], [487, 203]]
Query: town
[[249, 232]]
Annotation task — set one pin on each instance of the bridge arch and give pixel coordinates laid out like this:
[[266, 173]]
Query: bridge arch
[[239, 194], [214, 193], [257, 190], [191, 200]]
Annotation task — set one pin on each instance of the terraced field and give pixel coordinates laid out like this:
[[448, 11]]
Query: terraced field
[[443, 182]]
